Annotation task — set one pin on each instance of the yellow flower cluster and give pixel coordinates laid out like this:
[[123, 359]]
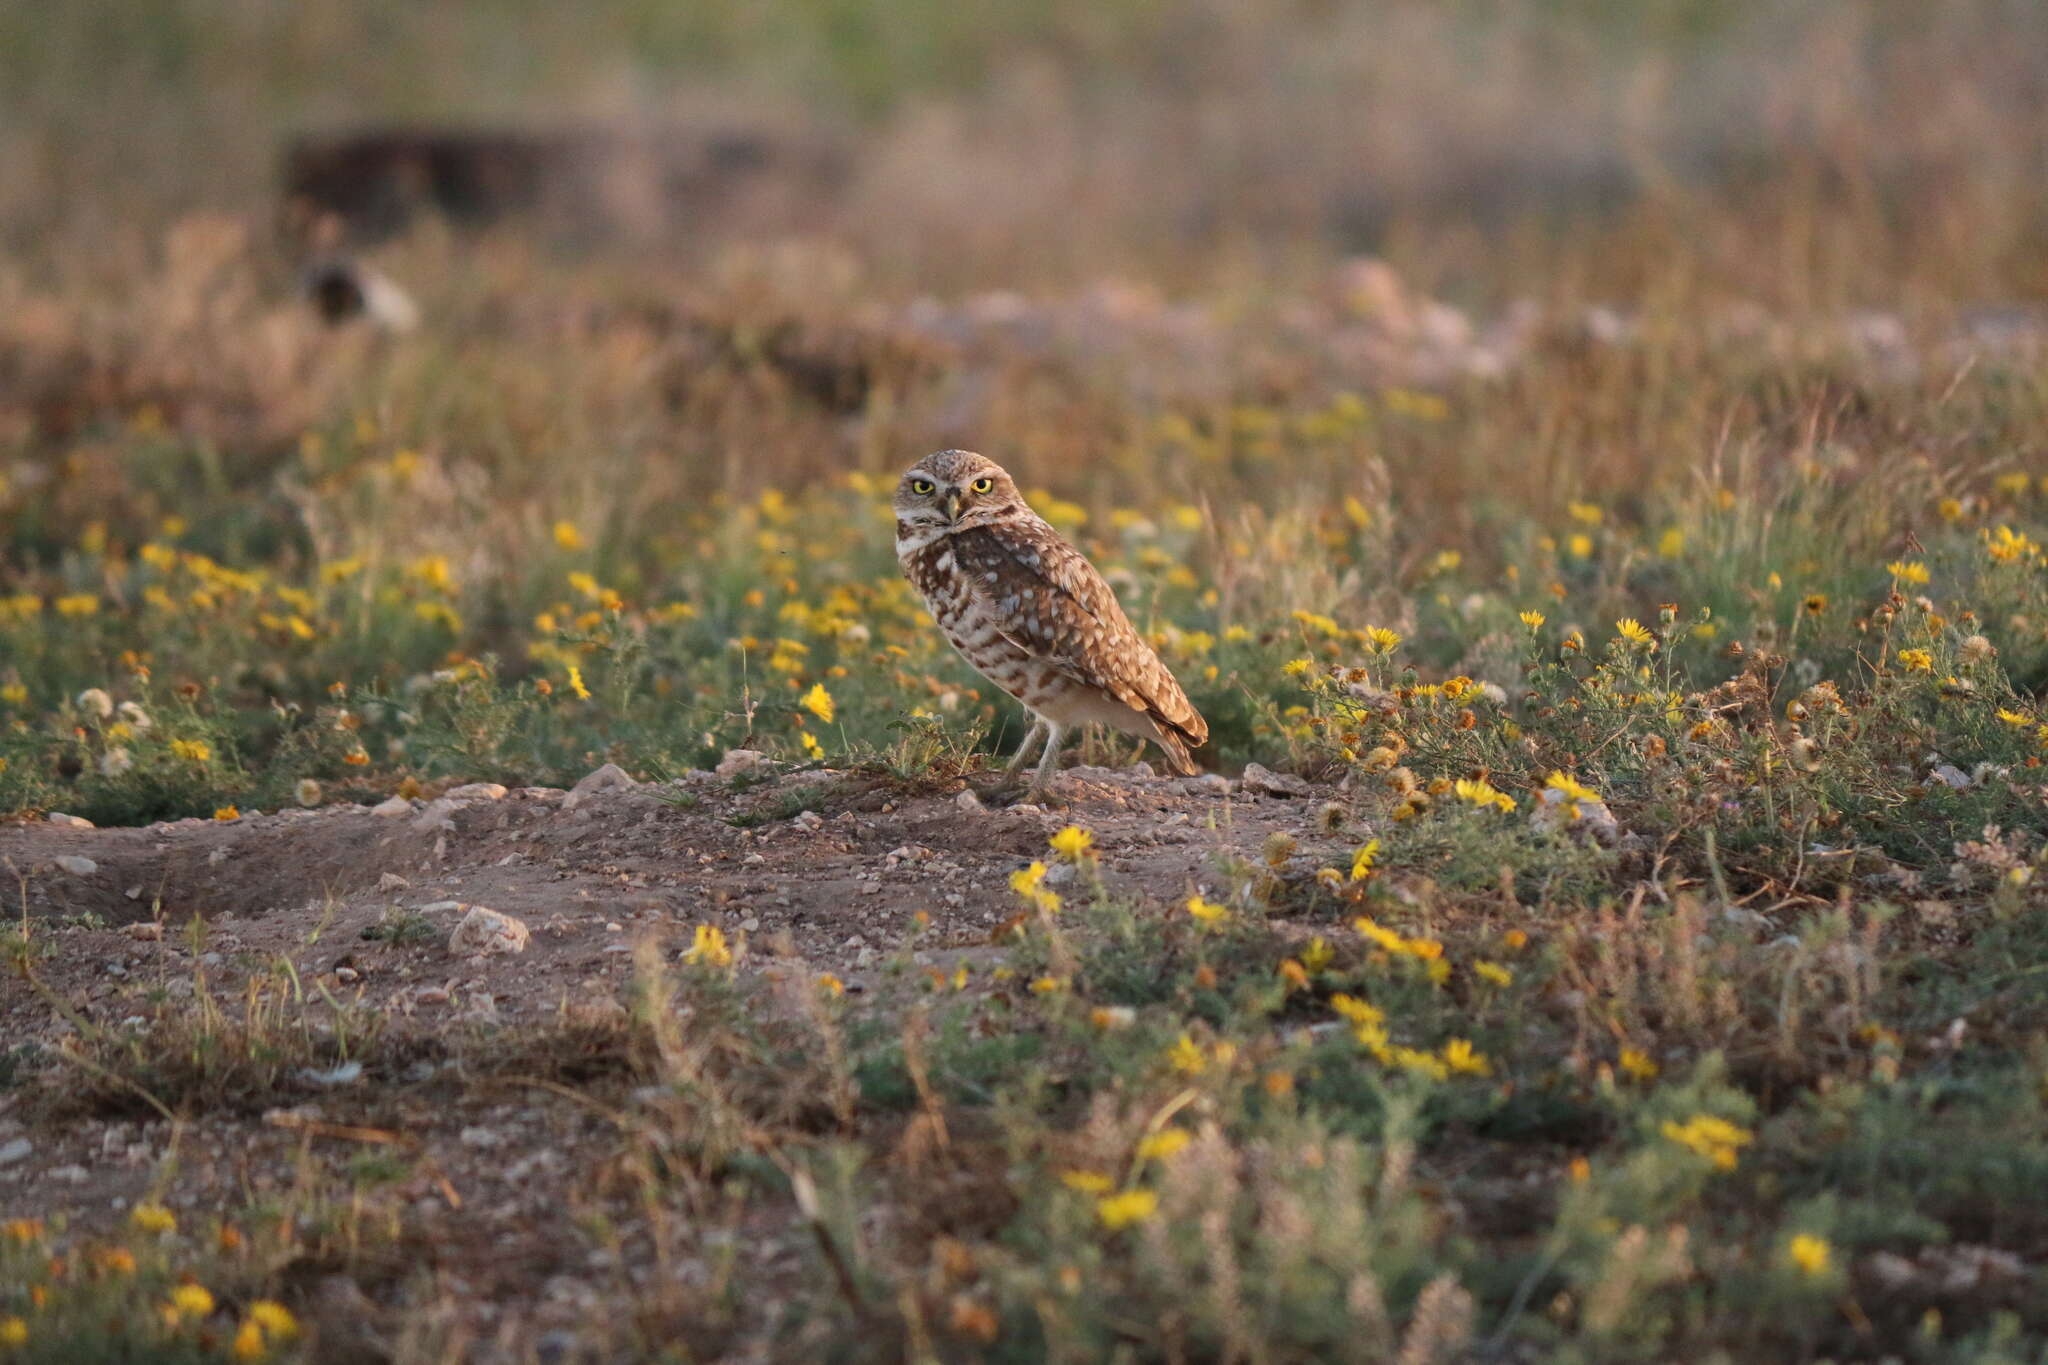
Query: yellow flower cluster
[[1716, 1139]]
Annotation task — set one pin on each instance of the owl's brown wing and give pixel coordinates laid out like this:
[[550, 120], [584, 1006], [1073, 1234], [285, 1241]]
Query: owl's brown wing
[[1061, 611]]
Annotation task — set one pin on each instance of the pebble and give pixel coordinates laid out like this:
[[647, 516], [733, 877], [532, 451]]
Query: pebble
[[611, 777], [148, 930], [476, 791], [484, 931], [77, 866], [438, 815], [17, 1150], [58, 817], [393, 808], [391, 881], [345, 1074], [1266, 782], [737, 761], [968, 801]]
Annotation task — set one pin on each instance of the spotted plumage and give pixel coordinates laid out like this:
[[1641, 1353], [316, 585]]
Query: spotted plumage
[[1031, 613]]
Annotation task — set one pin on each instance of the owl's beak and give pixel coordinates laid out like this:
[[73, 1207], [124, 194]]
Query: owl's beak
[[952, 504]]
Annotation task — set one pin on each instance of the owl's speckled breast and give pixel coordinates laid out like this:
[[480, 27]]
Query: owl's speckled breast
[[964, 616]]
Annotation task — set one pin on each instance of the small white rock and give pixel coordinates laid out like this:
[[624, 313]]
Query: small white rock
[[487, 932], [968, 801], [477, 791], [393, 808], [17, 1150], [77, 866], [611, 777], [58, 817], [391, 881], [438, 815], [345, 1074]]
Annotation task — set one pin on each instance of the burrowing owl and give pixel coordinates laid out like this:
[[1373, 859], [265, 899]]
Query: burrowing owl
[[1029, 611]]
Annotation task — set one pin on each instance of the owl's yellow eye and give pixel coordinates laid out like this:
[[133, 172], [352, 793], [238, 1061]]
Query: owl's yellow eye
[[983, 484], [921, 487]]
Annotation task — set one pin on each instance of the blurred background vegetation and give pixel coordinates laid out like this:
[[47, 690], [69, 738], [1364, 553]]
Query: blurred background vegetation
[[1049, 138]]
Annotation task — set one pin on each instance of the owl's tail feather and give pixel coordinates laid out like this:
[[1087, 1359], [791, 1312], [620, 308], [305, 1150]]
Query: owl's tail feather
[[1176, 750]]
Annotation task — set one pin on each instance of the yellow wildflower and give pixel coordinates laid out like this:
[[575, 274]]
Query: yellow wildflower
[[1715, 1139], [709, 947], [1534, 619], [13, 1332], [1421, 1063], [153, 1218], [196, 750], [1186, 1055], [1087, 1182], [1379, 934], [1121, 1210], [1479, 792], [226, 813], [818, 702], [192, 1300], [567, 536], [1637, 1063], [1908, 571], [1071, 842], [1047, 985], [1317, 955], [1634, 631], [433, 571], [1572, 789], [1382, 640], [1494, 972], [248, 1343], [1163, 1144], [1359, 1013], [1459, 1057], [811, 747], [1808, 1253], [1208, 912], [1028, 882], [2014, 718], [1917, 660], [1362, 862], [1294, 668]]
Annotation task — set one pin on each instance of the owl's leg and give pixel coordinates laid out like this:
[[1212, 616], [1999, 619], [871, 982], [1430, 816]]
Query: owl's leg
[[1028, 747], [1049, 763]]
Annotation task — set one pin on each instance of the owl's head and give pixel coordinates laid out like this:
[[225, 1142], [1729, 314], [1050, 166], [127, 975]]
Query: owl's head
[[954, 489]]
